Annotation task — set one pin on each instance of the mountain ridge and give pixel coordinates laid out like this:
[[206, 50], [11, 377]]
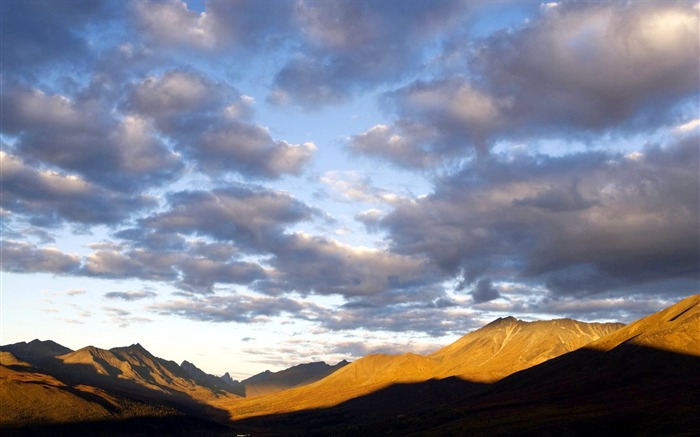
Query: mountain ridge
[[465, 358]]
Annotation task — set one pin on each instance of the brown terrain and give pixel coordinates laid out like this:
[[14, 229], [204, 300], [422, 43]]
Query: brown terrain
[[485, 355], [558, 377]]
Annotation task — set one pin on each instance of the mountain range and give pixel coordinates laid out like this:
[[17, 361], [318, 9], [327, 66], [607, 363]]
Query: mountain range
[[511, 377]]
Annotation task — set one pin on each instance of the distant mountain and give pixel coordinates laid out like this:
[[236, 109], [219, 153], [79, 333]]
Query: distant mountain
[[302, 374], [133, 368], [485, 355], [213, 382], [35, 350], [230, 381]]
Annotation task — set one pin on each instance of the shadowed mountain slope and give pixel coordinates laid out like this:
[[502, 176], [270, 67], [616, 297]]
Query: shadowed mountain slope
[[36, 350], [271, 382], [133, 367], [30, 396], [496, 350], [213, 382]]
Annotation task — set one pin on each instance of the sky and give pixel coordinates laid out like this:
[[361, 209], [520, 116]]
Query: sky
[[251, 185]]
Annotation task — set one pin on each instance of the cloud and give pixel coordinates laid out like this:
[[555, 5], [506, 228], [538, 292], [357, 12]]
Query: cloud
[[130, 295], [172, 23], [48, 198], [354, 45], [484, 291], [25, 50], [582, 223], [302, 263], [22, 257], [425, 309], [222, 26], [182, 102], [123, 318], [76, 292], [352, 186], [240, 308], [252, 218], [84, 136], [579, 68]]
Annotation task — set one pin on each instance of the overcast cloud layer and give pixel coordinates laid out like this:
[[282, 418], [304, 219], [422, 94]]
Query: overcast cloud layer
[[560, 150]]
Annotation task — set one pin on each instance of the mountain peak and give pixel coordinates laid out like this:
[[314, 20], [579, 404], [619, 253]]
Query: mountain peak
[[503, 321]]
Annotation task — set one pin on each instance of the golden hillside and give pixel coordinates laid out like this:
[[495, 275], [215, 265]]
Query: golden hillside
[[487, 354]]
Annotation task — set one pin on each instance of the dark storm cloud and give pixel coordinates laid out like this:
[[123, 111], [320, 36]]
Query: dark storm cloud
[[582, 68], [209, 123], [49, 198], [22, 257], [130, 295], [83, 136], [356, 44], [582, 223]]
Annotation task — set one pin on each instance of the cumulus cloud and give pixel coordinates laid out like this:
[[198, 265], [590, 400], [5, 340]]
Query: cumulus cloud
[[352, 186], [22, 257], [48, 197], [208, 122], [302, 263], [355, 44], [130, 295], [25, 50], [252, 218], [172, 23], [584, 223], [83, 136], [241, 308], [584, 68]]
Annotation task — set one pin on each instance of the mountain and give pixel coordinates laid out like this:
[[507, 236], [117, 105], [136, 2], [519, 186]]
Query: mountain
[[125, 386], [496, 350], [638, 379], [230, 381], [133, 368], [271, 382], [35, 350], [213, 382], [641, 379], [508, 345], [31, 396]]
